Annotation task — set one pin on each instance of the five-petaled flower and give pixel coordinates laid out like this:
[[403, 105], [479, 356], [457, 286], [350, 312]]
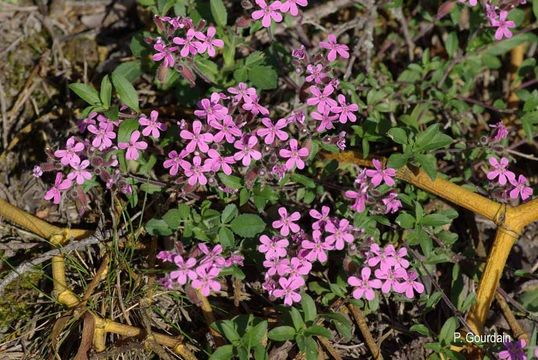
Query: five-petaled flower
[[288, 289], [268, 13], [152, 126], [294, 155], [380, 175], [503, 26], [364, 287], [287, 222], [500, 171], [55, 193], [133, 146], [334, 48]]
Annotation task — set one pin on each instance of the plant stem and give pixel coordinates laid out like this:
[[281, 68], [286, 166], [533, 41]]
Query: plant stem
[[360, 319]]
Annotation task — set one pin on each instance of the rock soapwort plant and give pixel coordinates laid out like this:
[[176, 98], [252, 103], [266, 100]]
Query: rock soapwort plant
[[262, 198]]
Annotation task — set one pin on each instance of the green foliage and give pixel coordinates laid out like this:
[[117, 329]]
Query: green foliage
[[246, 334]]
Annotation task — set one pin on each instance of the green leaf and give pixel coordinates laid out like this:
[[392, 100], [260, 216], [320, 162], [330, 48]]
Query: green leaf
[[282, 333], [317, 330], [106, 92], [86, 93], [208, 68], [230, 181], [421, 329], [247, 225], [224, 352], [405, 220], [158, 227], [229, 213], [503, 46], [311, 349], [529, 121], [127, 127], [301, 179], [226, 238], [309, 307], [397, 160], [219, 13], [446, 335], [131, 70], [228, 328], [435, 220], [428, 163], [256, 334], [126, 91], [263, 77], [535, 8], [452, 44], [425, 137], [297, 319], [398, 135]]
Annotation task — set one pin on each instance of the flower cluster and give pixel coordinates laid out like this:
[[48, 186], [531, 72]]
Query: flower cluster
[[181, 40], [512, 187], [515, 350], [200, 268], [365, 193], [290, 256], [97, 154], [231, 130], [497, 16], [273, 11], [390, 269]]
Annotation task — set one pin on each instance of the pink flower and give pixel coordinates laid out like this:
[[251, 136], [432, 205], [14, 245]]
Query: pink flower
[[254, 107], [390, 276], [37, 171], [291, 6], [294, 155], [247, 150], [322, 98], [205, 280], [216, 162], [295, 267], [316, 73], [346, 111], [184, 270], [503, 26], [391, 202], [152, 126], [318, 249], [273, 265], [227, 130], [398, 257], [133, 146], [79, 173], [383, 257], [379, 175], [360, 198], [69, 155], [103, 135], [197, 138], [340, 235], [471, 2], [174, 161], [364, 286], [208, 42], [270, 131], [164, 53], [188, 43], [212, 257], [60, 185], [268, 13], [273, 247], [166, 256], [326, 120], [321, 217], [520, 188], [514, 350], [409, 285], [211, 109], [500, 171], [195, 171], [287, 223], [334, 48], [288, 287], [500, 131], [243, 92]]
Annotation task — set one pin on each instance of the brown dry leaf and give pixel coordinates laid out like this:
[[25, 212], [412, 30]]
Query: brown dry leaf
[[57, 329], [86, 338]]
